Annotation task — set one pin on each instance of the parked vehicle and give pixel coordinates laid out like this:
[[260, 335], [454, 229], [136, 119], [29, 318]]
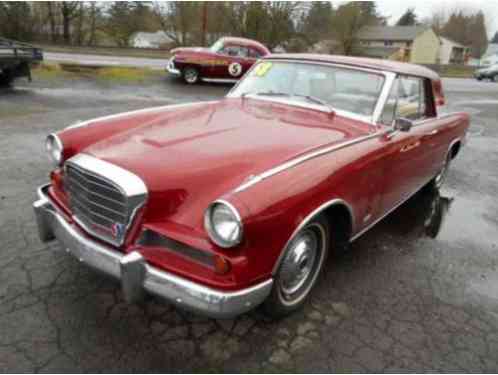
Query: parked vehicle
[[225, 61], [490, 72], [221, 206], [15, 60]]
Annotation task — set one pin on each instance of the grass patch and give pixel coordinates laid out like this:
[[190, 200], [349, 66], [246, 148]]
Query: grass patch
[[127, 74], [48, 71], [109, 51], [113, 74], [457, 71]]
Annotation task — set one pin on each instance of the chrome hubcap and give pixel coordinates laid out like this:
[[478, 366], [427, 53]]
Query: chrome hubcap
[[191, 76], [299, 262]]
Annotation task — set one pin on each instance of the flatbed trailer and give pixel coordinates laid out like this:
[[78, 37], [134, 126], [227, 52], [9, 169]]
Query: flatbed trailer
[[16, 59]]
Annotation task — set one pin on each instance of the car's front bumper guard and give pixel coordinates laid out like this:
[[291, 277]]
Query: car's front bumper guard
[[170, 68], [137, 276]]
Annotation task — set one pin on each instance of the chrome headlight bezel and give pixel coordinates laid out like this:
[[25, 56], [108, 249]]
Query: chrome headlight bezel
[[213, 229], [54, 148]]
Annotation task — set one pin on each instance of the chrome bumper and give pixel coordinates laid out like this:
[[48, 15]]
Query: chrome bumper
[[137, 276], [171, 68]]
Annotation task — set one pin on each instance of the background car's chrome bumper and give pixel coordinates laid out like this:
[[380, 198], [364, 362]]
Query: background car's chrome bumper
[[137, 276], [171, 67]]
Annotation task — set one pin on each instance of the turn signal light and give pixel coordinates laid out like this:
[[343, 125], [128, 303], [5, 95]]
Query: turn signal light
[[221, 265], [57, 179]]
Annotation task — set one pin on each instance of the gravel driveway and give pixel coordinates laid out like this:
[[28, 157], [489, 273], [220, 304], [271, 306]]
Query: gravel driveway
[[398, 301]]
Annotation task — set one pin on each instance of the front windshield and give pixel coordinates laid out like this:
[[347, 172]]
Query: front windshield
[[217, 47], [335, 87]]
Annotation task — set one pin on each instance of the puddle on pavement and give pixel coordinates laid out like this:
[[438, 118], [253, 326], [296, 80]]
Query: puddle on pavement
[[448, 217], [466, 219]]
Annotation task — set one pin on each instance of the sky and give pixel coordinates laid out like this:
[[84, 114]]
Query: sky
[[424, 9]]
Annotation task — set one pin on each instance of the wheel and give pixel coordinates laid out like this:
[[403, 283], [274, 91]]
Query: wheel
[[438, 181], [298, 272], [6, 79], [191, 75], [479, 78]]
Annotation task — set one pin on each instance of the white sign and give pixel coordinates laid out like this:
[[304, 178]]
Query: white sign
[[235, 69]]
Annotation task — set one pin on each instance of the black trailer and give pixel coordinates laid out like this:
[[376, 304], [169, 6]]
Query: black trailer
[[15, 60]]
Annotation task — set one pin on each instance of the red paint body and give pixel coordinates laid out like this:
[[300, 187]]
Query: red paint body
[[190, 156], [216, 65]]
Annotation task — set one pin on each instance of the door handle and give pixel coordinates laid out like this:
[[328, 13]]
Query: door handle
[[434, 132], [410, 146]]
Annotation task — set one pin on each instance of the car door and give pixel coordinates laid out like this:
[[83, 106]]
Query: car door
[[230, 63], [406, 155]]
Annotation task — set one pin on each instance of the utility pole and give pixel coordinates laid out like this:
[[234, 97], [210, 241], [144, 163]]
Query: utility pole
[[204, 22]]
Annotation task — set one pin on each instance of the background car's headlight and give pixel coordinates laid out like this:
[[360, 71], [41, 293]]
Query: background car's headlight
[[223, 224], [54, 149]]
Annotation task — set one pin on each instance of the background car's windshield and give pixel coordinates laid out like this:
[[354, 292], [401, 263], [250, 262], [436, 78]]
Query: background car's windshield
[[341, 88], [218, 46]]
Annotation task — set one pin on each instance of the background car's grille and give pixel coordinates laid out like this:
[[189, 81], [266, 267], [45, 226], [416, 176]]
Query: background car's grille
[[98, 204]]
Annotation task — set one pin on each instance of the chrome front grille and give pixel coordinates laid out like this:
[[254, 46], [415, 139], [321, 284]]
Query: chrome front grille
[[101, 198]]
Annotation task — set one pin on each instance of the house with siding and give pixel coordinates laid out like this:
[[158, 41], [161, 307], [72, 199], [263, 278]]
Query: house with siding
[[415, 44]]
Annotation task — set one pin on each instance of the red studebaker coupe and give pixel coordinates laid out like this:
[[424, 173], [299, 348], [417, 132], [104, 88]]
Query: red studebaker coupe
[[225, 61], [222, 206]]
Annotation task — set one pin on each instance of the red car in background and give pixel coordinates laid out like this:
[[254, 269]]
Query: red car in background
[[225, 61]]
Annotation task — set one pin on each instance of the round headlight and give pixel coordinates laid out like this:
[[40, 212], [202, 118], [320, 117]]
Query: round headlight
[[54, 149], [223, 224]]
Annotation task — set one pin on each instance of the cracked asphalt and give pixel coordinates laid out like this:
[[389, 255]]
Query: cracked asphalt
[[398, 301]]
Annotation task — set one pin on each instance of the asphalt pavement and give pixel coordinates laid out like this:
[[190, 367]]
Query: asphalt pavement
[[399, 301]]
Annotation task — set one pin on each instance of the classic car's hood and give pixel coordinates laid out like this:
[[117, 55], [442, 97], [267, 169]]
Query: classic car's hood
[[191, 156]]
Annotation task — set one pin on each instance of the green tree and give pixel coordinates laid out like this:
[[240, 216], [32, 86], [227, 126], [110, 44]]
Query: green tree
[[16, 20], [348, 20], [317, 22], [469, 30], [478, 35], [409, 18], [125, 18], [495, 38]]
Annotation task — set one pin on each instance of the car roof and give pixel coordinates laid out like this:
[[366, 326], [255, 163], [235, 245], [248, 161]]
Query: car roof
[[245, 42], [363, 62]]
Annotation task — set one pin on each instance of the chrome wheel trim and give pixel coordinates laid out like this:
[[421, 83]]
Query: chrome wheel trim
[[191, 75], [301, 264]]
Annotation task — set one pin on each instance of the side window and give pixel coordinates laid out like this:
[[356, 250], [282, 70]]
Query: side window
[[407, 99], [253, 53], [411, 98], [235, 51]]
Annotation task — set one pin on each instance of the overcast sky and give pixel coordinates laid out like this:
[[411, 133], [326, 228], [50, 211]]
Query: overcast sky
[[395, 8]]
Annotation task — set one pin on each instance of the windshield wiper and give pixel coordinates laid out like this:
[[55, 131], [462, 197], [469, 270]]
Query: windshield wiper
[[316, 100], [307, 97]]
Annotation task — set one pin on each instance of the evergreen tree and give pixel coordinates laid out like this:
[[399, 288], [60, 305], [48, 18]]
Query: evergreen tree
[[495, 38], [317, 23], [409, 18], [478, 35]]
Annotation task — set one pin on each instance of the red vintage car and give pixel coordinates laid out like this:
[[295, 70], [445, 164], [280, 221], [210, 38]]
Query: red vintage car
[[221, 206], [225, 61]]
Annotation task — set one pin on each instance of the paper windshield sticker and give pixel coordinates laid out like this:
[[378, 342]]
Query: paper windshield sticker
[[263, 68]]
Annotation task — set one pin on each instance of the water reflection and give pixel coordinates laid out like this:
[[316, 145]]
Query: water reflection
[[436, 213], [421, 215]]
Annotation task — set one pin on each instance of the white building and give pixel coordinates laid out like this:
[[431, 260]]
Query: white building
[[451, 52], [149, 40]]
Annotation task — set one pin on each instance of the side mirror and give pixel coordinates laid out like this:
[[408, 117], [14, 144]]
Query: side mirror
[[403, 124]]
